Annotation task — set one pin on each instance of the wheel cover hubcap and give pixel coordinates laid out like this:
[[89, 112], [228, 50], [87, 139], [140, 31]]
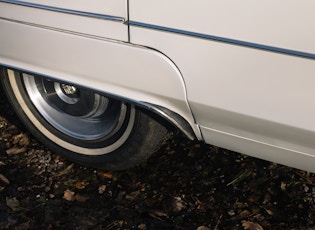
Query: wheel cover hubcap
[[74, 111]]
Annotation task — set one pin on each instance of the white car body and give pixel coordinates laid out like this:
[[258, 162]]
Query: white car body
[[241, 74]]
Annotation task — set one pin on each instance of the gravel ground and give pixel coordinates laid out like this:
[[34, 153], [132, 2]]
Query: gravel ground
[[185, 185]]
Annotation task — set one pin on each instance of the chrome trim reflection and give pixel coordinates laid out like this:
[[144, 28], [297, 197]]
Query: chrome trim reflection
[[63, 96], [67, 11], [171, 117], [225, 40]]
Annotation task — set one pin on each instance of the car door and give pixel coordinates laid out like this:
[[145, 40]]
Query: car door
[[103, 18]]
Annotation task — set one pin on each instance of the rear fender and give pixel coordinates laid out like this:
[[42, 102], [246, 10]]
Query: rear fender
[[137, 73]]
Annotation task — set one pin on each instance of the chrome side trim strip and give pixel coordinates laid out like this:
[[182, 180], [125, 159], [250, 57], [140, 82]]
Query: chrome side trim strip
[[225, 40], [67, 11], [61, 30]]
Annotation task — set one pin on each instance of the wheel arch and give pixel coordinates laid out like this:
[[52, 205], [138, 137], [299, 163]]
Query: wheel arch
[[138, 74]]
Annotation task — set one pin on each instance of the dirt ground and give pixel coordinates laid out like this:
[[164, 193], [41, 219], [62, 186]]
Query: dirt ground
[[185, 185]]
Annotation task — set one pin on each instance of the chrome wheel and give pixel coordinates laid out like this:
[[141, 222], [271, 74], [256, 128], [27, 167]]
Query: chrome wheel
[[96, 124], [84, 126], [73, 111]]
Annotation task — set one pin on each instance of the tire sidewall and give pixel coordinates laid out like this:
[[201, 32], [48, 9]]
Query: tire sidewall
[[132, 151]]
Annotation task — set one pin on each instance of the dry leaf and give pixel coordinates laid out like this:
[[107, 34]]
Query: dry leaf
[[15, 150], [101, 189], [65, 171], [4, 179], [68, 195], [178, 204], [81, 184], [13, 203], [248, 225], [245, 213], [142, 227], [80, 198], [157, 213], [203, 228], [269, 211], [283, 186], [107, 175], [132, 196], [21, 139]]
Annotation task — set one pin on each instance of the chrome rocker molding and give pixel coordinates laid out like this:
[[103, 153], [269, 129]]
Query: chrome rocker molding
[[222, 39], [67, 11], [169, 116]]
